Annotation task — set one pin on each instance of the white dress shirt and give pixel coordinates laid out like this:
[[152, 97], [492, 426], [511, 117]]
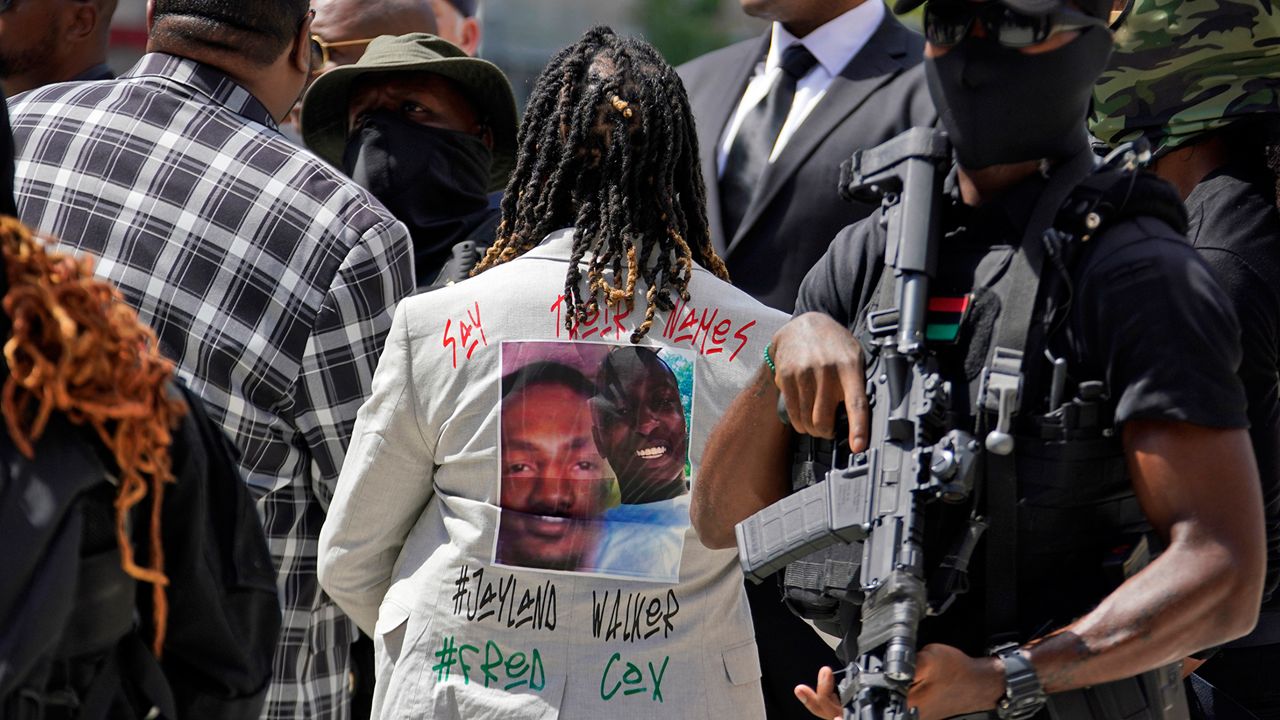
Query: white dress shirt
[[833, 44]]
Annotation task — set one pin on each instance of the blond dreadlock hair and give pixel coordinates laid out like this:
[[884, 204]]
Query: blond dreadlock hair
[[608, 146], [76, 348]]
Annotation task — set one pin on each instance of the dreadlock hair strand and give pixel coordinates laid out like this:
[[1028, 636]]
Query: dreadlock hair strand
[[608, 147]]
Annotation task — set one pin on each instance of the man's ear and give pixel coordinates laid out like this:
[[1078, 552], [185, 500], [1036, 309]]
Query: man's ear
[[300, 55], [470, 36], [84, 19], [151, 15]]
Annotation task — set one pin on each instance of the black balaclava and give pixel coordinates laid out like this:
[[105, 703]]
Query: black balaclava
[[433, 180], [1000, 105]]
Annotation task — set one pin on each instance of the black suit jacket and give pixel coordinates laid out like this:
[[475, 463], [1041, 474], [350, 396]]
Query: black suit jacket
[[796, 210]]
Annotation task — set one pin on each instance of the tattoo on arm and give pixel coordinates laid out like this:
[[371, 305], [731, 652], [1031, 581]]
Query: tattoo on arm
[[1070, 652]]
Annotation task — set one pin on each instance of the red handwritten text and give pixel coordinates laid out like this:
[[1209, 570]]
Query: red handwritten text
[[468, 335], [706, 330], [598, 323]]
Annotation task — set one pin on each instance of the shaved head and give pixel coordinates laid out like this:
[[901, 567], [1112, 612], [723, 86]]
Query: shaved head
[[456, 25], [346, 20]]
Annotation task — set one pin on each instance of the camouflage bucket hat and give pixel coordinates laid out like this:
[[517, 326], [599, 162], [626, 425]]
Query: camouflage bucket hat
[[1185, 67]]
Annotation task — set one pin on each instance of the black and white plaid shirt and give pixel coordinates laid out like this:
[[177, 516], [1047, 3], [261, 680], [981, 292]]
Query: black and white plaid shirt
[[268, 276]]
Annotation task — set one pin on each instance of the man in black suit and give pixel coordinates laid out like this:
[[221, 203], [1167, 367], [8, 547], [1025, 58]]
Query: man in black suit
[[771, 193], [774, 124]]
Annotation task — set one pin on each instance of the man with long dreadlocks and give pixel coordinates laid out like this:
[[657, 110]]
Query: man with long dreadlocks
[[603, 244], [137, 579]]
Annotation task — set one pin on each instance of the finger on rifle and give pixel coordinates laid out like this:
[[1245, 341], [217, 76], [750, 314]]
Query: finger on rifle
[[797, 398], [827, 395], [854, 382], [787, 389], [806, 390], [784, 378]]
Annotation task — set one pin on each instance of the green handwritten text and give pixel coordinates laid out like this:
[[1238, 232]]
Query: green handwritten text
[[628, 678]]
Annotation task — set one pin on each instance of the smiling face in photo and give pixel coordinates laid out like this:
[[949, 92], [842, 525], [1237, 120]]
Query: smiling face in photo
[[641, 425], [554, 482]]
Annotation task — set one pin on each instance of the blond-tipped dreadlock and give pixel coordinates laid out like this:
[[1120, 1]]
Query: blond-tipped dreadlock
[[608, 146], [78, 349]]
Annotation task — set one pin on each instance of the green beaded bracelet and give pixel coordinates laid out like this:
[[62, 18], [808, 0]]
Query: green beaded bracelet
[[768, 360]]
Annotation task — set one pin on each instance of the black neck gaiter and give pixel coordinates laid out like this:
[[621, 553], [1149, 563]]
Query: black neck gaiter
[[433, 180], [1000, 105]]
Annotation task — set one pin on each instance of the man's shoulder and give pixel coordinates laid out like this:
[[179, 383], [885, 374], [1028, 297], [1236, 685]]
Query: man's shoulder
[[47, 99], [839, 285], [168, 127], [860, 246], [708, 290], [714, 64], [1129, 242], [894, 39], [1235, 213]]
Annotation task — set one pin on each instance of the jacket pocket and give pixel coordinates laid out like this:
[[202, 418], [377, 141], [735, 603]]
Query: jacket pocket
[[393, 623], [742, 663]]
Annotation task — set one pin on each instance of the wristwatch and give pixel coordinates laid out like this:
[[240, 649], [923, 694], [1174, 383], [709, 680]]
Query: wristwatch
[[1023, 694]]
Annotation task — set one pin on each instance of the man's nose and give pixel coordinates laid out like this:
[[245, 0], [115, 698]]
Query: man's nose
[[554, 496], [646, 421]]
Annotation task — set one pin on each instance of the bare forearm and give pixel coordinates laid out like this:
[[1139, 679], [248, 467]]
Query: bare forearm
[[1188, 599], [744, 467], [1199, 488]]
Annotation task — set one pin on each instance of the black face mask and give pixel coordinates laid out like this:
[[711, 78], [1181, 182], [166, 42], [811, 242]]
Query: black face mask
[[1000, 105], [433, 180]]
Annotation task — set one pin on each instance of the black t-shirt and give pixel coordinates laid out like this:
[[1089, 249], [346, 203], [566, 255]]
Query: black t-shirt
[[1236, 228], [1146, 316]]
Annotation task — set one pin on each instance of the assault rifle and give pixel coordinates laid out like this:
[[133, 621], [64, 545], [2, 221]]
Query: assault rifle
[[878, 498]]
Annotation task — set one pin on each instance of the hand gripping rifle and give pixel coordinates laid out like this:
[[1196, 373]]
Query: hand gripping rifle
[[912, 459]]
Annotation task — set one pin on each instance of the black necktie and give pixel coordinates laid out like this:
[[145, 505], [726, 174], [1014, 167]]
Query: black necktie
[[752, 146]]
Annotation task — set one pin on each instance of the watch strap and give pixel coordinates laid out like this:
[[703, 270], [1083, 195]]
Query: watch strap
[[1023, 694]]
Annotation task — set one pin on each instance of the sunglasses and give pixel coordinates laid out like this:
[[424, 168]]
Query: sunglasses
[[1120, 10], [946, 23], [319, 48]]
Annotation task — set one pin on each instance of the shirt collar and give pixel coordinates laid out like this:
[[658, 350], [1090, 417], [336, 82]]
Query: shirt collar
[[833, 44], [558, 245], [206, 80], [98, 72]]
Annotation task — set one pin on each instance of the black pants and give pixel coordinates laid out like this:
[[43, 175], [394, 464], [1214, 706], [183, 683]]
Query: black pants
[[790, 652], [362, 675]]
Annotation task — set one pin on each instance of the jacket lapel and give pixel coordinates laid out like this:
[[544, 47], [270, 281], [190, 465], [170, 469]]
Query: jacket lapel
[[713, 116], [877, 63]]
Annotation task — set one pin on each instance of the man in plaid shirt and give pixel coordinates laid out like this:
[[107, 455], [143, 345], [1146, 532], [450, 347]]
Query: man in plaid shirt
[[268, 276]]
